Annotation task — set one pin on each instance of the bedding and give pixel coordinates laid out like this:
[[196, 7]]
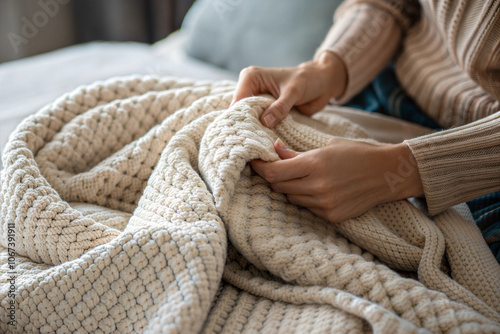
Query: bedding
[[28, 84], [131, 208]]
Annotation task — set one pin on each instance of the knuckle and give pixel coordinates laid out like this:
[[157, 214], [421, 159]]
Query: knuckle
[[323, 187], [281, 109], [269, 175], [250, 70], [302, 74]]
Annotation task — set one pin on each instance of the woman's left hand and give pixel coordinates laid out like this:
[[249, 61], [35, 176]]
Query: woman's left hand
[[343, 179]]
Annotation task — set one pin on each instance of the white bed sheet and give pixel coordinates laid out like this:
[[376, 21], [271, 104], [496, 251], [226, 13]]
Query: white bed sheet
[[28, 84]]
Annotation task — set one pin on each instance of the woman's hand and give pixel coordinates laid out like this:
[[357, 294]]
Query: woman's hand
[[343, 179], [308, 86]]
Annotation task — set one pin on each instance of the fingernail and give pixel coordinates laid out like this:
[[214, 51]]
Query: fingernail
[[281, 144], [270, 120]]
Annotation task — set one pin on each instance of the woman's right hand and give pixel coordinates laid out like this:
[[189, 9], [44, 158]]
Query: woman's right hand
[[308, 86]]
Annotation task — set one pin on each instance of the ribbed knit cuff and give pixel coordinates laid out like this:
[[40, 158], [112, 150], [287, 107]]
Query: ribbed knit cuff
[[365, 37], [459, 164]]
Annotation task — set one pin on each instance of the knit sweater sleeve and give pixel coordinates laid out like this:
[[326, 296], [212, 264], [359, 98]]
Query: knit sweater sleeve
[[473, 39], [366, 36], [459, 164]]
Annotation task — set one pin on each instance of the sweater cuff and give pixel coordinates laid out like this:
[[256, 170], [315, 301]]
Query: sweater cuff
[[459, 164]]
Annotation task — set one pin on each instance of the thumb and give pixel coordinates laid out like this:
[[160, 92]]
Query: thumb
[[283, 151], [278, 110]]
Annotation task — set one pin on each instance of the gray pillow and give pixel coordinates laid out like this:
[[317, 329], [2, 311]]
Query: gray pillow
[[234, 34]]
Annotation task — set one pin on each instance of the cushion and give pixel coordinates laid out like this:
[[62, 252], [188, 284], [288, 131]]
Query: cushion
[[234, 34]]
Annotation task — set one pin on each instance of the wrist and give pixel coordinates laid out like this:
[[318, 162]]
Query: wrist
[[402, 175], [335, 70]]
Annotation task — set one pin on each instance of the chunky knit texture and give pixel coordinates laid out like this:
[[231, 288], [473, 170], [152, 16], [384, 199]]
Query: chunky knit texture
[[134, 210]]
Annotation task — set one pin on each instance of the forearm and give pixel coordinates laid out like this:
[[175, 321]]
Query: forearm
[[365, 37]]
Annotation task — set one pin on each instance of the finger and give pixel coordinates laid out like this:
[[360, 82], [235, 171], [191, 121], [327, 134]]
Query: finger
[[243, 89], [246, 86], [283, 151], [310, 203], [279, 108], [302, 186], [306, 201], [282, 170], [325, 214], [328, 215], [313, 106]]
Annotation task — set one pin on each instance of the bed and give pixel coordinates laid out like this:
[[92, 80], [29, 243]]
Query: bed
[[38, 80], [215, 277]]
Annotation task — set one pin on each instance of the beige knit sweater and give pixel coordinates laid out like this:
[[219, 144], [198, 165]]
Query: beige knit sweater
[[448, 60], [129, 206]]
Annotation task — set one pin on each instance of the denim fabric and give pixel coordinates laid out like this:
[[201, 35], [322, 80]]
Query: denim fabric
[[386, 96]]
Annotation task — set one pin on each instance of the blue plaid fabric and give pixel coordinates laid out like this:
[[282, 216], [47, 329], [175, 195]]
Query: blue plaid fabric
[[386, 96]]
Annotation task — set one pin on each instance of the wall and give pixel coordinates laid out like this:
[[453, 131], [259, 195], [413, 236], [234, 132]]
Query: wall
[[29, 27]]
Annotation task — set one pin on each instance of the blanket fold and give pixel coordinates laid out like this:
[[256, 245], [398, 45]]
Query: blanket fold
[[129, 206]]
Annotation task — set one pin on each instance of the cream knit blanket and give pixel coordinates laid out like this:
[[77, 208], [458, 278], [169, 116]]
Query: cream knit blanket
[[128, 206]]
